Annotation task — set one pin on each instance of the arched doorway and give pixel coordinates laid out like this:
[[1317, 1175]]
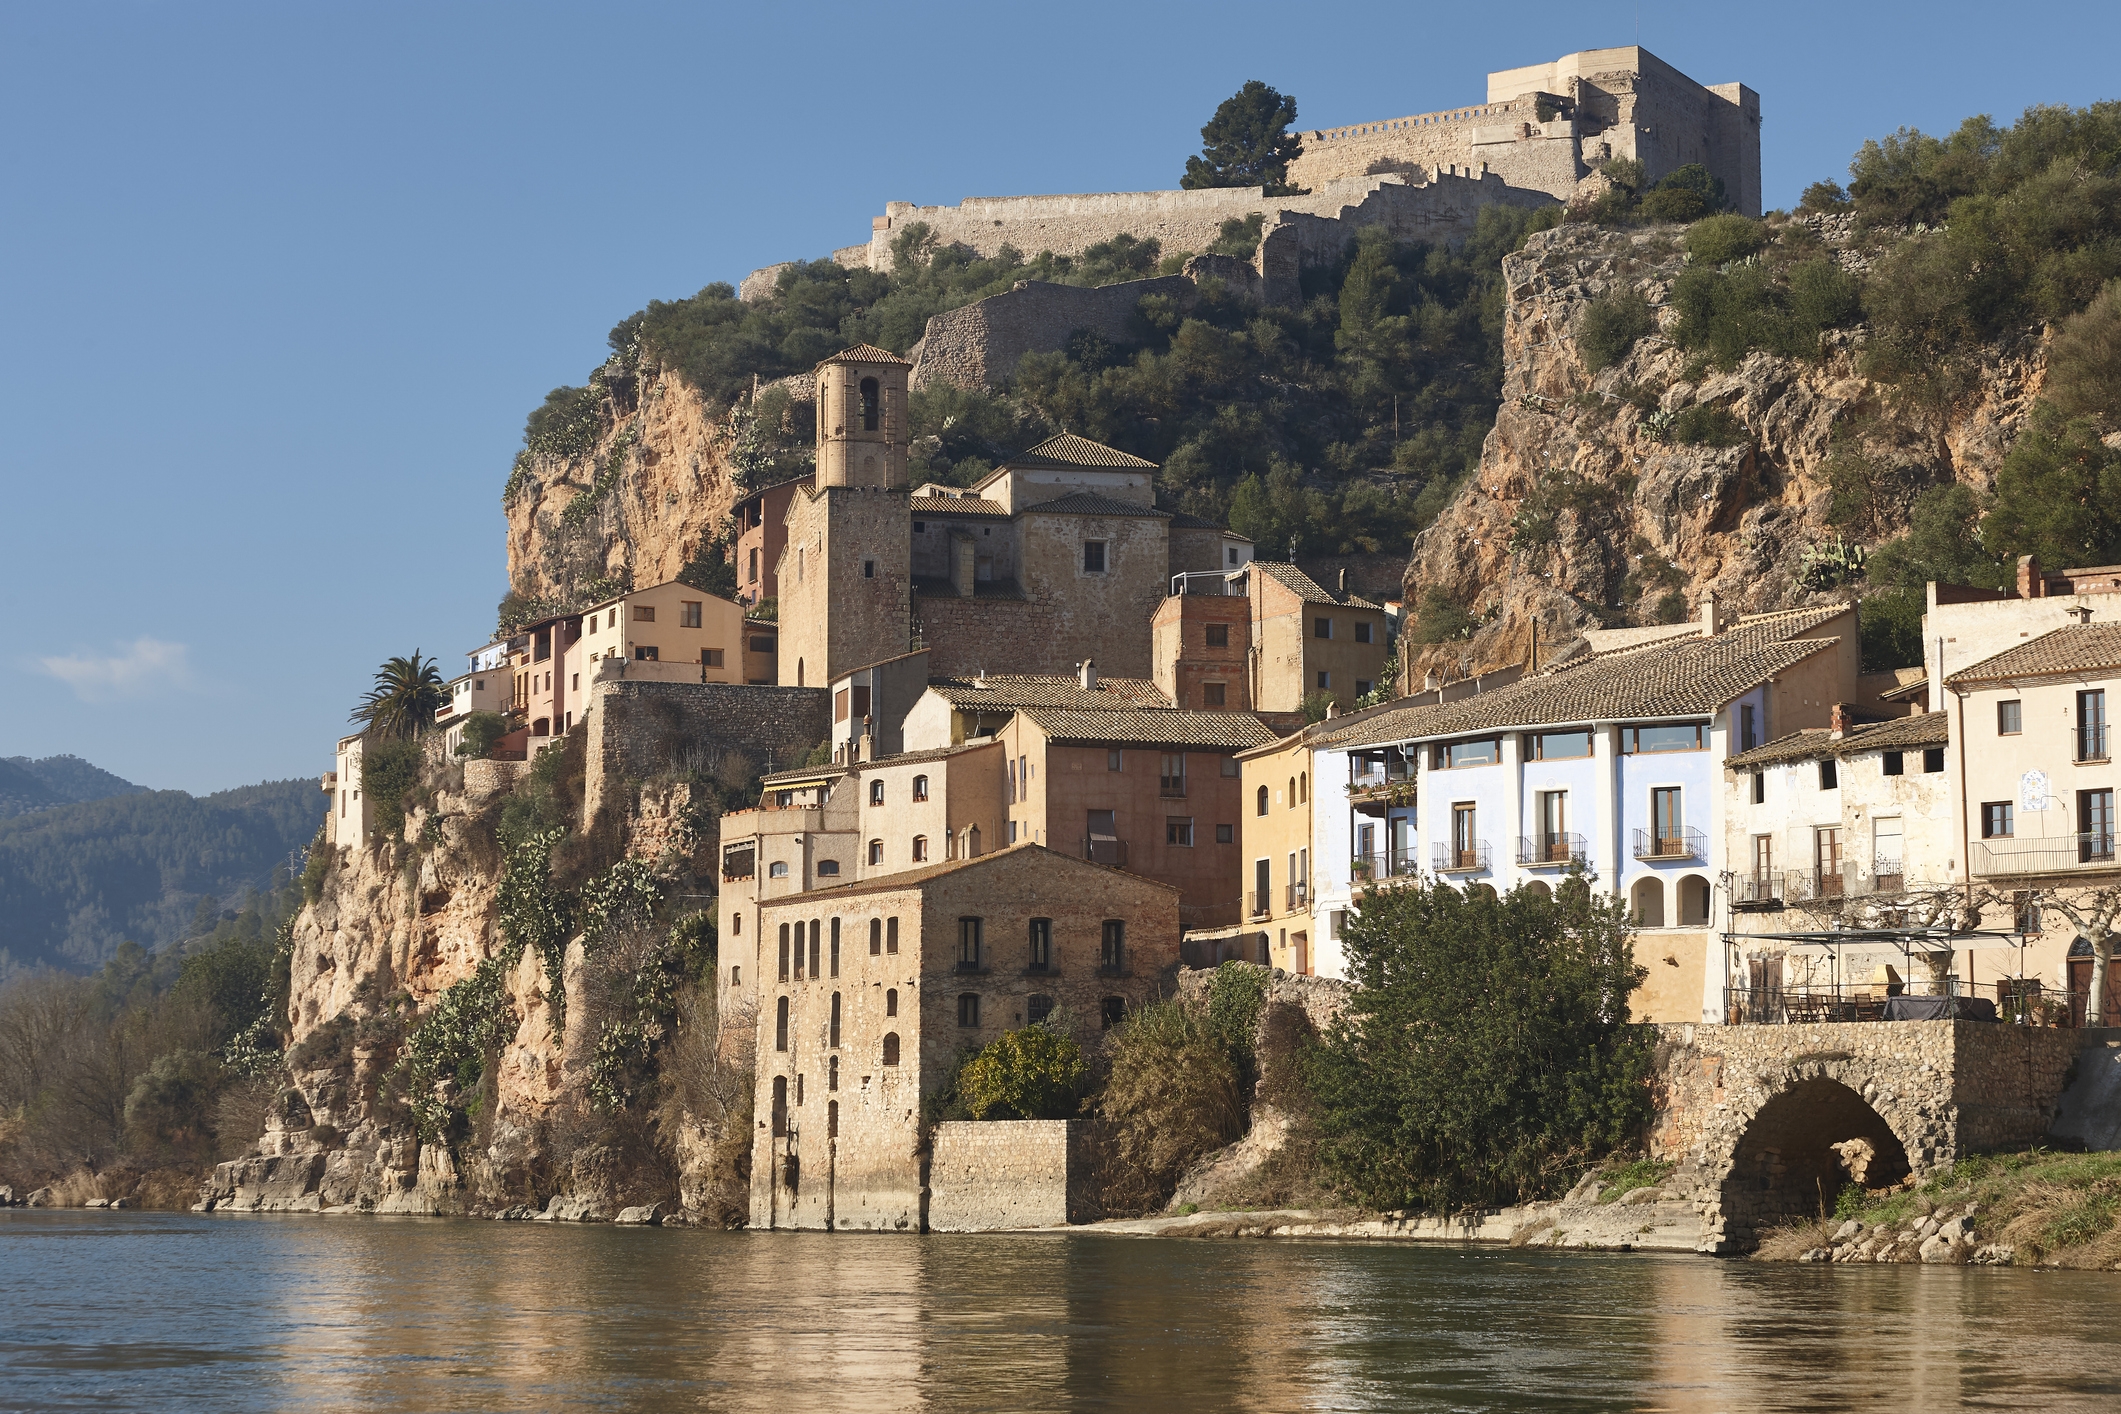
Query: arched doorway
[[1648, 900], [1693, 898], [1797, 1153]]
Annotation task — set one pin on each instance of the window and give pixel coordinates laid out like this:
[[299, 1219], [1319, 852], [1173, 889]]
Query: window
[[920, 787], [839, 705], [1325, 680], [784, 952], [1041, 945], [1218, 635], [1763, 856], [968, 942], [780, 1024], [2091, 725], [834, 1032], [736, 974], [1932, 760], [688, 613], [1303, 787], [1996, 820], [835, 949], [868, 569], [736, 924], [754, 567], [2095, 822], [1829, 775], [1040, 1008], [891, 1048], [1226, 834], [891, 1001], [872, 397], [1212, 694], [2025, 911], [1363, 632], [1112, 1011], [1636, 741], [814, 940], [644, 653], [1557, 746], [1826, 858], [2010, 718], [968, 1009], [828, 868], [832, 1109], [1465, 836], [1885, 851], [574, 684], [1893, 764], [1112, 954], [710, 657], [1362, 687], [1171, 772], [876, 937], [920, 848], [1093, 557], [1230, 768], [1321, 628], [876, 792], [876, 852], [1553, 826], [890, 935], [780, 1106], [1262, 800], [1451, 755], [1178, 830], [1112, 761], [1262, 885], [1748, 727], [1759, 787], [644, 613]]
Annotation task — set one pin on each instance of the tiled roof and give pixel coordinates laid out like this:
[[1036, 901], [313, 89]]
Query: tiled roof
[[1899, 734], [931, 507], [1007, 691], [1307, 588], [1182, 521], [1089, 503], [866, 353], [1067, 449], [813, 774], [1153, 726], [2074, 648], [914, 758], [1683, 678]]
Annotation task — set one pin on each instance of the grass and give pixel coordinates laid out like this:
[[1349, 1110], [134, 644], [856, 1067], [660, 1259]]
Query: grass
[[2054, 1208], [1643, 1173]]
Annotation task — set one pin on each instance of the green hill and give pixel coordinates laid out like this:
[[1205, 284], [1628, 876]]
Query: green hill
[[27, 785]]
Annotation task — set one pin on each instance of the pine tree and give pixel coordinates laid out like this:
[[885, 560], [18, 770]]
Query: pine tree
[[1247, 143]]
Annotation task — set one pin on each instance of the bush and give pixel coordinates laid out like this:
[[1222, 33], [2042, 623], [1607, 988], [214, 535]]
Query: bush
[[1612, 324], [1823, 198], [1036, 1072], [1172, 1096], [481, 731], [1719, 239], [1486, 1057], [171, 1107], [1442, 618], [390, 771], [2084, 366], [2058, 495], [1708, 425]]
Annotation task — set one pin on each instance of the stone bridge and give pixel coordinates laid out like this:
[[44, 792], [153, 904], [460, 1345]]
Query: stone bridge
[[1767, 1123]]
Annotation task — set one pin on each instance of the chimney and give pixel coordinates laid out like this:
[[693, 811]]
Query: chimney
[[1839, 721], [1086, 674], [2031, 583], [1708, 615], [1343, 581]]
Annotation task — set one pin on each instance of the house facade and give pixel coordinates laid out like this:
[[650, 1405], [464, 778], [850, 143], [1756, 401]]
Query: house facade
[[1307, 639]]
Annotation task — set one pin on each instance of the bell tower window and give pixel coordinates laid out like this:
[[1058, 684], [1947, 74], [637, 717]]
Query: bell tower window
[[872, 405]]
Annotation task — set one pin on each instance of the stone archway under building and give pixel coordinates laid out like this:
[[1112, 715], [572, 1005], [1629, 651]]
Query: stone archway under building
[[1798, 1150]]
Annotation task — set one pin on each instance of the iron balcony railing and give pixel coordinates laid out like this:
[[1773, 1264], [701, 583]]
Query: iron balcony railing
[[1675, 843], [1383, 865], [1762, 890], [2055, 854], [1259, 903], [1563, 848], [1809, 885], [1103, 849], [1792, 1005], [1298, 895], [1467, 859], [2091, 741], [1198, 582]]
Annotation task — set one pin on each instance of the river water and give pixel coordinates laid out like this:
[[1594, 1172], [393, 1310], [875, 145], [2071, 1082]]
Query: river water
[[173, 1311]]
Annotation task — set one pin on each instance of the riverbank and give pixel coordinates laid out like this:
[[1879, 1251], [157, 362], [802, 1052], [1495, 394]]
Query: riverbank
[[1660, 1224]]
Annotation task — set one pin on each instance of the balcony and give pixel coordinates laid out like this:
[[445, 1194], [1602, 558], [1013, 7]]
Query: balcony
[[1797, 1005], [1381, 790], [1194, 583], [740, 865], [1758, 891], [1671, 844], [1469, 858], [1813, 885], [1103, 849], [2091, 742], [1171, 787], [1367, 868], [2088, 852], [1258, 899], [1298, 896], [1542, 850]]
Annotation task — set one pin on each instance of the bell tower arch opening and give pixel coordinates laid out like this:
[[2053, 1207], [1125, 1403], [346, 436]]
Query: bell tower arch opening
[[1797, 1153], [862, 421]]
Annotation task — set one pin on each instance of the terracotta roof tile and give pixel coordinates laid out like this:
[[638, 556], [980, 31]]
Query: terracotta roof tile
[[1089, 503], [1007, 691], [2074, 648], [1814, 743], [1067, 449], [1153, 726], [866, 353], [970, 507], [1307, 588]]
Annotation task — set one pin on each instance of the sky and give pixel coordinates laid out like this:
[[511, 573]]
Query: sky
[[279, 282]]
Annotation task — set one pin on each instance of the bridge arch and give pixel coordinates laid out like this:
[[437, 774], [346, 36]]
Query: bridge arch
[[1807, 1138]]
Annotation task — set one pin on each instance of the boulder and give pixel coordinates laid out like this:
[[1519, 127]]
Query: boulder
[[1847, 1230], [649, 1216], [1817, 1254], [120, 1203], [1939, 1250], [563, 1209], [40, 1198], [97, 1203], [7, 1196], [1636, 1197], [1995, 1254]]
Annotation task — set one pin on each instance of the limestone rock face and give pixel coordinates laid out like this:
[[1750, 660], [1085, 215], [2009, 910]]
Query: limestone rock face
[[660, 482], [1615, 522]]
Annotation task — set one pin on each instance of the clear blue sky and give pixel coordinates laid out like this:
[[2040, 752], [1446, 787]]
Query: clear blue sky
[[279, 282]]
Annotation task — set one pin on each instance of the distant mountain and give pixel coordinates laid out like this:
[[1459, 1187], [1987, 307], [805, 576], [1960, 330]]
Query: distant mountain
[[78, 878], [27, 785]]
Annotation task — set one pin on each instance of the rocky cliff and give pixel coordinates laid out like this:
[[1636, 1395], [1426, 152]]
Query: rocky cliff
[[1589, 509]]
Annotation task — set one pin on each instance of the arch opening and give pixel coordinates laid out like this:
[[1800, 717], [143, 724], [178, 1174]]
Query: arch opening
[[1799, 1151]]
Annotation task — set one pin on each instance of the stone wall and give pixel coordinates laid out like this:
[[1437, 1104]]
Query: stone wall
[[993, 1175], [980, 345], [641, 729]]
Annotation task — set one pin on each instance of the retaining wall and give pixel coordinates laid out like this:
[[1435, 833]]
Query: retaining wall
[[990, 1175]]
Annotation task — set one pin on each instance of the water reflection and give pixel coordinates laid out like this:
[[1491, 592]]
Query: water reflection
[[150, 1310]]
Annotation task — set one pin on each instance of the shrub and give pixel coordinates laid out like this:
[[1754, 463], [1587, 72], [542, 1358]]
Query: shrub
[[1486, 1057], [1171, 1097], [2058, 495], [171, 1106], [481, 731], [1612, 324], [2084, 367], [1238, 237], [1727, 236], [1708, 425], [1441, 618], [1823, 198], [390, 771], [1035, 1072]]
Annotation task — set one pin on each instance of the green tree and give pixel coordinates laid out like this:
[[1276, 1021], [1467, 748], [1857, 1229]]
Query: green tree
[[1035, 1072], [1487, 1056], [389, 772], [481, 731], [1247, 143], [1611, 325], [1942, 543], [403, 703], [2058, 495]]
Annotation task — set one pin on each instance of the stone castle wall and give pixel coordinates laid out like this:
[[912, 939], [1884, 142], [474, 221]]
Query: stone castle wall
[[980, 345], [993, 1175], [640, 729]]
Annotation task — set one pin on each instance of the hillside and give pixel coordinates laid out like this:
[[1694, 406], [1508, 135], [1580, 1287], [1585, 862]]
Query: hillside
[[27, 784], [78, 879]]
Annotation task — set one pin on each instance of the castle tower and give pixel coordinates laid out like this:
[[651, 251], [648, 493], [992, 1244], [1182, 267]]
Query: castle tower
[[846, 575], [861, 419]]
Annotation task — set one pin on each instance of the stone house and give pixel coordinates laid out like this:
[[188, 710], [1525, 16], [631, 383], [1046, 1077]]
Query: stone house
[[761, 535], [668, 632], [1201, 644], [1307, 639], [870, 704], [869, 991]]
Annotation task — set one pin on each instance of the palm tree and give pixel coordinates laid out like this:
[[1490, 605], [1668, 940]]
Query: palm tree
[[403, 703]]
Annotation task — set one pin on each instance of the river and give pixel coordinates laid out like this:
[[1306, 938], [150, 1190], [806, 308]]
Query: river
[[173, 1311]]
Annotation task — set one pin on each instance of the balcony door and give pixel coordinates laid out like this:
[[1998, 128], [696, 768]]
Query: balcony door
[[2095, 822], [1553, 826], [1464, 837], [1826, 859], [1667, 820]]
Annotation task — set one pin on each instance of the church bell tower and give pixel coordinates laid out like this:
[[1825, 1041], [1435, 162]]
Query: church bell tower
[[861, 419]]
